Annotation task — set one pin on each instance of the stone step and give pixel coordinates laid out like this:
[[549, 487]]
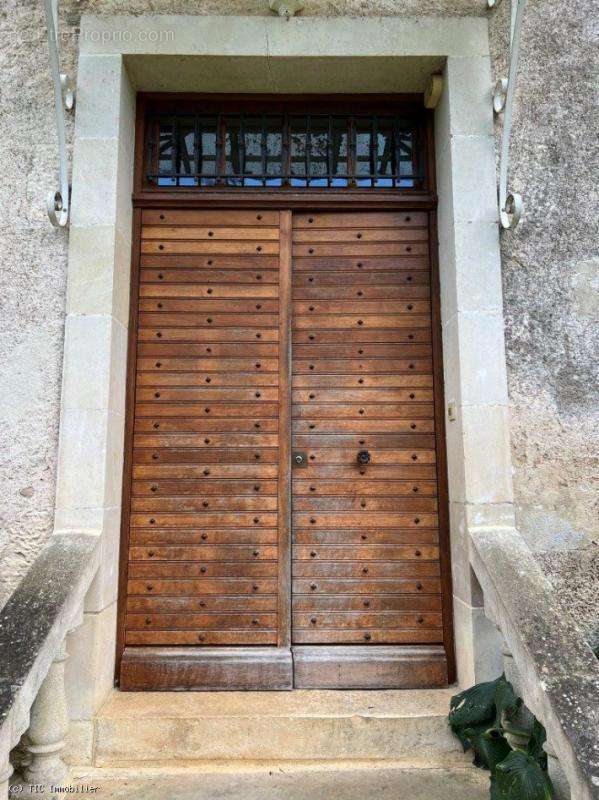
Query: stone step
[[155, 728], [373, 780]]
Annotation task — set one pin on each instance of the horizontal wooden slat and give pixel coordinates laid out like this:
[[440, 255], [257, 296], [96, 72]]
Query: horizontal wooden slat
[[360, 235], [206, 456], [166, 488], [343, 282], [351, 471], [198, 290], [223, 305], [206, 637], [361, 335], [360, 264], [207, 334], [200, 621], [205, 425], [229, 552], [366, 219], [365, 570], [207, 470], [320, 249], [364, 552], [407, 425], [175, 536], [160, 350], [402, 294], [360, 306], [346, 456], [217, 379], [398, 389], [211, 503], [214, 248], [364, 366], [363, 487], [364, 505], [203, 393], [386, 442], [209, 569], [389, 636], [360, 536], [362, 411], [361, 619], [209, 603], [352, 351], [194, 216], [359, 320], [371, 519], [212, 233], [190, 364], [212, 587], [190, 276], [365, 584], [219, 440], [160, 320], [348, 602], [179, 520]]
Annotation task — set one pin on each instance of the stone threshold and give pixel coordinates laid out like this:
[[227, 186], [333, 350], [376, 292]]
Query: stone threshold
[[295, 703]]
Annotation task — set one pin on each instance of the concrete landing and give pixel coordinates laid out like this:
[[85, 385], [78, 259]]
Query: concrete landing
[[283, 782], [166, 729]]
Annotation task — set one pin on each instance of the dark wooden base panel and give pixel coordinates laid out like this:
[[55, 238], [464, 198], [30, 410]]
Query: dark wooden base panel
[[394, 667], [206, 669]]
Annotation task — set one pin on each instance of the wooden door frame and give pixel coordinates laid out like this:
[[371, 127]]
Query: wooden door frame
[[227, 666]]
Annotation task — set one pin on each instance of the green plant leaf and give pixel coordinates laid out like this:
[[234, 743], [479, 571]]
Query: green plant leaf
[[474, 705], [538, 737], [520, 777], [489, 745], [506, 702]]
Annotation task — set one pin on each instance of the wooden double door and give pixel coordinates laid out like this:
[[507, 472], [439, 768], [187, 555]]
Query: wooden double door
[[285, 510]]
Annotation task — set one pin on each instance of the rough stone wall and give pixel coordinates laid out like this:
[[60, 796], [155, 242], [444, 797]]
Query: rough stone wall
[[550, 262]]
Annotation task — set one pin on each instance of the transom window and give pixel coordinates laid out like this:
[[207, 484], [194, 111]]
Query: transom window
[[301, 148]]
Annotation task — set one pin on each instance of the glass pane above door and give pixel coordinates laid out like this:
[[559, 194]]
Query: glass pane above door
[[298, 150]]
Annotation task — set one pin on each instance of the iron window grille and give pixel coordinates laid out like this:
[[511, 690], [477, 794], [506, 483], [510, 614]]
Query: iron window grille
[[298, 150]]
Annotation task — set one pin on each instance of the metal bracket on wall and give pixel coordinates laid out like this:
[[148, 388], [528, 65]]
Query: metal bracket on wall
[[58, 203], [510, 204]]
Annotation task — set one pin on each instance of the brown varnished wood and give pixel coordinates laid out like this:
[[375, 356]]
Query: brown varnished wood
[[363, 379], [189, 276], [363, 220], [168, 217], [376, 534], [215, 233], [209, 410], [210, 603], [284, 477]]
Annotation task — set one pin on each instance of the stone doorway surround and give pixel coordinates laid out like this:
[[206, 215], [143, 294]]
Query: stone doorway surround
[[121, 55]]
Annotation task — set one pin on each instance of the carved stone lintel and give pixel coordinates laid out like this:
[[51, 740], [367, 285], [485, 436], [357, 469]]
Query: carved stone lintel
[[48, 727]]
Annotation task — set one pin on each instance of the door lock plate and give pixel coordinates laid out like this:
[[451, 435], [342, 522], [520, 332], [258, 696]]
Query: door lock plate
[[300, 459]]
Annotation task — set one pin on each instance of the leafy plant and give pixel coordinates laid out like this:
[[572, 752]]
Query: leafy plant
[[481, 717]]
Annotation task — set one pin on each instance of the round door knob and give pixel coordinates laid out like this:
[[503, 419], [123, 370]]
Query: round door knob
[[363, 457]]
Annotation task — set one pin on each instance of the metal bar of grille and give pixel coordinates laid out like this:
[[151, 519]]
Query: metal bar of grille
[[308, 152], [197, 150], [241, 148], [286, 151], [374, 147], [403, 148], [219, 149], [351, 151], [263, 151]]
